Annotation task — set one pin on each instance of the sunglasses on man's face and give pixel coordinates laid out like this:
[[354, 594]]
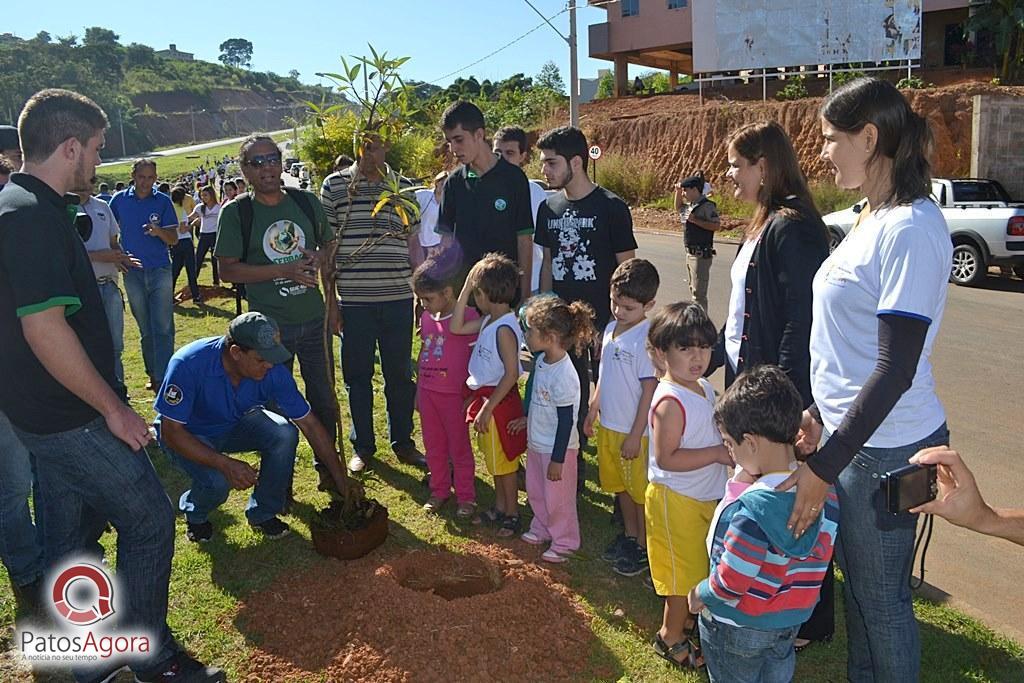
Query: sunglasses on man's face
[[264, 160]]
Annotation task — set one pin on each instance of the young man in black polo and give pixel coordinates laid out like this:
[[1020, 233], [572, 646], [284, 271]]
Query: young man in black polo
[[486, 201], [586, 232], [59, 387]]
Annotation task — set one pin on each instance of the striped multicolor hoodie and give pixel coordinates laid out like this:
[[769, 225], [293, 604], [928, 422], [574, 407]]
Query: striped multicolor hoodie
[[761, 576]]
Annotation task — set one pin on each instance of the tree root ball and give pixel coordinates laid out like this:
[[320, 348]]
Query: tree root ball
[[423, 615], [353, 537]]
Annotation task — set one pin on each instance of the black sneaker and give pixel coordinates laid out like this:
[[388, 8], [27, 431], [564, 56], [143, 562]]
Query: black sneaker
[[633, 560], [199, 532], [273, 528], [614, 551], [181, 669]]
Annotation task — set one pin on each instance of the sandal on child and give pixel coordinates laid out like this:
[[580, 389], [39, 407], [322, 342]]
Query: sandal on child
[[692, 660], [465, 510], [434, 504], [509, 526], [490, 517]]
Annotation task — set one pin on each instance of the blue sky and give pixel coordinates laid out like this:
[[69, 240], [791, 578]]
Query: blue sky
[[440, 36]]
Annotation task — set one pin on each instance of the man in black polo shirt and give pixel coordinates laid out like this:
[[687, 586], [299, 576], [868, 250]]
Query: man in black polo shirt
[[59, 382], [486, 201]]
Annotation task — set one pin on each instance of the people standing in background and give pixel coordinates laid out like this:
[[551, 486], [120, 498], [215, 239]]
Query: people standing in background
[[371, 305], [486, 202], [228, 191], [700, 223], [586, 231], [109, 260], [511, 143], [6, 169], [148, 226], [104, 193], [10, 146], [183, 254], [424, 240], [206, 214]]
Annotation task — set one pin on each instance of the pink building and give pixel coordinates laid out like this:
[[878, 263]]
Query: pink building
[[659, 34]]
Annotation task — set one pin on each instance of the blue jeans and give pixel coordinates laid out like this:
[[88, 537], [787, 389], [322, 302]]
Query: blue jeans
[[260, 430], [736, 654], [386, 326], [21, 543], [88, 474], [306, 342], [113, 304], [875, 552], [183, 255], [151, 297]]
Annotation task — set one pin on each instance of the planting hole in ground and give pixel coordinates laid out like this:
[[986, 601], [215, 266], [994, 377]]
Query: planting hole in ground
[[447, 575]]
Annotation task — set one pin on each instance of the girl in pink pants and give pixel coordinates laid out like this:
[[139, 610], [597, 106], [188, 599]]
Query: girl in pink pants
[[552, 327], [443, 368]]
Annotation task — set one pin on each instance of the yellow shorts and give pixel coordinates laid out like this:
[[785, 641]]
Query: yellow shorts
[[616, 473], [493, 454], [677, 529]]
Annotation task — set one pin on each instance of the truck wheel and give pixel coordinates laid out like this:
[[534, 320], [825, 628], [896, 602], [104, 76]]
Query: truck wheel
[[968, 266]]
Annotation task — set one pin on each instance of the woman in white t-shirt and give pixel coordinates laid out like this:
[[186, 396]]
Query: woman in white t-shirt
[[183, 254], [206, 214], [878, 302]]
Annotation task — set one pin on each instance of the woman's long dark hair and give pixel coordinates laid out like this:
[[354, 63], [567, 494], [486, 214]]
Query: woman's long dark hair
[[782, 176], [903, 135]]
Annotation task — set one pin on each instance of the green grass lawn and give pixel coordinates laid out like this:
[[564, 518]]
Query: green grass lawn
[[209, 583], [171, 166]]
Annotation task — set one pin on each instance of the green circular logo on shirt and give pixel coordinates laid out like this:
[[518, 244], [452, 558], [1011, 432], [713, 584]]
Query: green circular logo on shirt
[[500, 204]]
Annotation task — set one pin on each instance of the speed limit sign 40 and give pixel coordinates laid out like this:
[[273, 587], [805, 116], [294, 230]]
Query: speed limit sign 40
[[595, 152]]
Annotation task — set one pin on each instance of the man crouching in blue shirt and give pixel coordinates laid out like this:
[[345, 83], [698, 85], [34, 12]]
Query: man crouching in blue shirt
[[212, 402]]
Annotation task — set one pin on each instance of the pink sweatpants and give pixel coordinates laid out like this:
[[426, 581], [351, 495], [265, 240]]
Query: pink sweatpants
[[446, 440], [553, 502]]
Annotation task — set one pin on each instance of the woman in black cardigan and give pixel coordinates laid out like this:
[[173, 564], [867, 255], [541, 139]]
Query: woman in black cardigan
[[769, 318]]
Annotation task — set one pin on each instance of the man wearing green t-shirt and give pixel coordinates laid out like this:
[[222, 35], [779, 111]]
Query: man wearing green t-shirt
[[281, 267]]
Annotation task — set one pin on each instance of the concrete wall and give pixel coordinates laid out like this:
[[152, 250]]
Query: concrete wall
[[656, 26], [998, 141]]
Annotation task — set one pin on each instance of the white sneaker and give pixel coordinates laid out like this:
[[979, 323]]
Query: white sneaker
[[356, 463]]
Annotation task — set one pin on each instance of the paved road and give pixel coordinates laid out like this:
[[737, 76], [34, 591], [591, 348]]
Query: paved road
[[187, 149], [980, 375]]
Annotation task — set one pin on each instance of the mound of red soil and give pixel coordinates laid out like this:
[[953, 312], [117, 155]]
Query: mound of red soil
[[419, 616]]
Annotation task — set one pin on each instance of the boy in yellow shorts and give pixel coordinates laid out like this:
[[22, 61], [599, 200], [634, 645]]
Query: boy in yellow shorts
[[622, 400]]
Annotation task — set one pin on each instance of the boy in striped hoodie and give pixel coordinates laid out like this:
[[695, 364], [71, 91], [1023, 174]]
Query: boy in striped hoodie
[[764, 583]]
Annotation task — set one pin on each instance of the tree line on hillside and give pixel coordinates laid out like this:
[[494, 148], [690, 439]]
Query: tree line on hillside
[[98, 65]]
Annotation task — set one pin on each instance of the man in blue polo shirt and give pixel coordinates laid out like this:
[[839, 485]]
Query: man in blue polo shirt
[[148, 226], [212, 403]]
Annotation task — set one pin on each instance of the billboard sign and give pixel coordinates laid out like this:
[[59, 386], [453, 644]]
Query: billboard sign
[[730, 35]]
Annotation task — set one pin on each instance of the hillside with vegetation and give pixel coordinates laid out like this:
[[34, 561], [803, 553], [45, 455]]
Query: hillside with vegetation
[[159, 101]]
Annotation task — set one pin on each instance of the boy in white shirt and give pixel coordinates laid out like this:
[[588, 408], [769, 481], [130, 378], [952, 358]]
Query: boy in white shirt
[[623, 400]]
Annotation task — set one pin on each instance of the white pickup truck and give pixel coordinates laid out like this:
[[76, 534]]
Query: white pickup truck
[[986, 226]]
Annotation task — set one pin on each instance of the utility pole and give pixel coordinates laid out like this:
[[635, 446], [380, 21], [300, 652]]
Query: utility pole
[[574, 76], [574, 81]]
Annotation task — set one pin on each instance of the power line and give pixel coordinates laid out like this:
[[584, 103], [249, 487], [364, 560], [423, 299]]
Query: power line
[[547, 21]]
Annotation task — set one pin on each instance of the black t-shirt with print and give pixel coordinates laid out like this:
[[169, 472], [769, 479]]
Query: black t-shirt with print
[[486, 212], [43, 263], [584, 236]]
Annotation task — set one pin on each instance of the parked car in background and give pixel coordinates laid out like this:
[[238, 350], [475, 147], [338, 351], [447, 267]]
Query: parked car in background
[[288, 162], [296, 168], [986, 226]]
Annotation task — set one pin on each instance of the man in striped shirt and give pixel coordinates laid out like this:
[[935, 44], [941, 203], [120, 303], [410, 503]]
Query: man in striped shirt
[[373, 300]]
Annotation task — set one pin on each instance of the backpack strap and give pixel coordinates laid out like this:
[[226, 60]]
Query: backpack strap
[[245, 216], [302, 199]]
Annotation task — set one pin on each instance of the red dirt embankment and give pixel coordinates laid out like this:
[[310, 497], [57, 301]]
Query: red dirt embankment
[[678, 136]]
